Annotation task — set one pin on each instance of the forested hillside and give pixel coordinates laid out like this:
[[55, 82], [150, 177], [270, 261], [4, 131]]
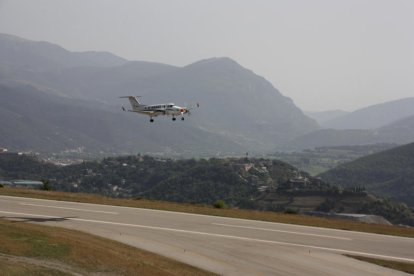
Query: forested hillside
[[238, 182], [389, 173]]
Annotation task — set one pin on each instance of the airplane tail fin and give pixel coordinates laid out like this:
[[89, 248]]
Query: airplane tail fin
[[133, 100]]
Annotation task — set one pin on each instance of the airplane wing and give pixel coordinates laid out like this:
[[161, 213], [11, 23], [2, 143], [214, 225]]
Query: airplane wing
[[160, 111], [154, 112]]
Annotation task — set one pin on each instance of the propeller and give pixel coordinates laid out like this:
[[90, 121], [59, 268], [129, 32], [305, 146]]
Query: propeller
[[188, 110]]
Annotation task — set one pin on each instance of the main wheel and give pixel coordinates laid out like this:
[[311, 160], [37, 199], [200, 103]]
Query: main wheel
[[182, 118], [151, 120], [173, 118]]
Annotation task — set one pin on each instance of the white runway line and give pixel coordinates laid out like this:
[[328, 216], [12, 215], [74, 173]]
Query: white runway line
[[69, 208], [220, 236], [282, 231], [217, 217]]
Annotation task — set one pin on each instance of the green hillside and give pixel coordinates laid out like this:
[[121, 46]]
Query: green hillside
[[389, 173]]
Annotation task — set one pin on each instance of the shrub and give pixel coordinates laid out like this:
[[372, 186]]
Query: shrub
[[220, 204], [291, 211], [46, 185]]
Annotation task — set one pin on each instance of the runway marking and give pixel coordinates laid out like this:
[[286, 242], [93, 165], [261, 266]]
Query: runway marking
[[69, 208], [346, 232], [282, 231], [219, 236]]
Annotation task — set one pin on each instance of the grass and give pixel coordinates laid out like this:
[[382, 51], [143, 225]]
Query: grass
[[401, 266], [209, 210], [44, 250], [12, 267]]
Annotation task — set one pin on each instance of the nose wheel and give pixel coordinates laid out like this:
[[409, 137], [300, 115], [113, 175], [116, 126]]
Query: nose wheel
[[182, 118], [151, 120]]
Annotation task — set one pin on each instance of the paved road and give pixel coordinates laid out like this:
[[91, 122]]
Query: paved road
[[222, 245]]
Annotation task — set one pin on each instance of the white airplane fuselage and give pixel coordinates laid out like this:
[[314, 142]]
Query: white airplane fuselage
[[169, 109]]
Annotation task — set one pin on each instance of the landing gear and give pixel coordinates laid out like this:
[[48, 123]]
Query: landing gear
[[151, 120], [173, 118], [182, 118]]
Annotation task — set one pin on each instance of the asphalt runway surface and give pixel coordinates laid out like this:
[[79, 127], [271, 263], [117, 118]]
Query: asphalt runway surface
[[222, 245]]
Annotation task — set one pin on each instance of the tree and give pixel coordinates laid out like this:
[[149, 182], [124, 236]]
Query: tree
[[46, 185]]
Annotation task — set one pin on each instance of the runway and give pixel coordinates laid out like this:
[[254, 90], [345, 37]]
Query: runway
[[222, 245]]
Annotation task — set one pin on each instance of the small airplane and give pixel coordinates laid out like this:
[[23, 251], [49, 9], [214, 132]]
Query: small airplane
[[169, 109]]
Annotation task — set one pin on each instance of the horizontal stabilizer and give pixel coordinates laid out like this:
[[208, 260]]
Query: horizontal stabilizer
[[133, 100]]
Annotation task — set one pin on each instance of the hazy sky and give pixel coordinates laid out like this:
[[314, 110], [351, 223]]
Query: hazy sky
[[324, 54]]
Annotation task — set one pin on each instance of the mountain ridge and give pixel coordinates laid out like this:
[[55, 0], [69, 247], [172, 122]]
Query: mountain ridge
[[324, 116], [374, 116], [30, 54], [397, 132]]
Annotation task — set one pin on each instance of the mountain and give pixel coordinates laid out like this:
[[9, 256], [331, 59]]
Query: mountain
[[398, 132], [103, 84], [374, 116], [19, 53], [401, 131], [324, 116], [389, 173], [237, 105], [234, 102], [31, 119]]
